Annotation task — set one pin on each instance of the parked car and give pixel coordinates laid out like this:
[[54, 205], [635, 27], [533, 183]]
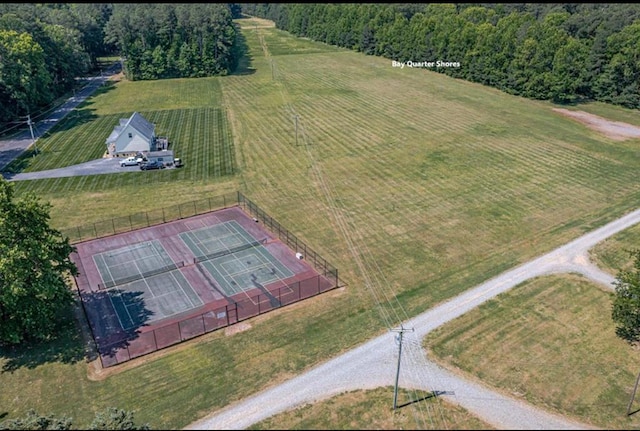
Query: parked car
[[129, 161], [151, 165], [177, 162]]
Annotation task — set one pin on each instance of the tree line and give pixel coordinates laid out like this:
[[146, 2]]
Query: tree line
[[174, 40], [566, 52], [44, 47]]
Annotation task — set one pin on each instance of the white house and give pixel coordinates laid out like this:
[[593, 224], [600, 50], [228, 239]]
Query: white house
[[133, 135]]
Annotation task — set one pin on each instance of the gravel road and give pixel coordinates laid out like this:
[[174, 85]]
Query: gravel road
[[372, 364]]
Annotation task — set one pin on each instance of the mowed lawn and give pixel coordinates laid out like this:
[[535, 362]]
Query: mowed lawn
[[549, 341], [415, 185]]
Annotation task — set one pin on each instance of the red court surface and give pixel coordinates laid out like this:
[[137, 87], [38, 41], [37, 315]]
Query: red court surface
[[117, 343]]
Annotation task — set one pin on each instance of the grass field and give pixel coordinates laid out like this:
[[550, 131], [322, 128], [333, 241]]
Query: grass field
[[612, 255], [370, 410], [415, 185], [551, 342]]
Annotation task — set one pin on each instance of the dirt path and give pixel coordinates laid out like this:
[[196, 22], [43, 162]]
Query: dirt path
[[615, 130]]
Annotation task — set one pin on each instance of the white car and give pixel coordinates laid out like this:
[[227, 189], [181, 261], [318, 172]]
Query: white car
[[129, 161]]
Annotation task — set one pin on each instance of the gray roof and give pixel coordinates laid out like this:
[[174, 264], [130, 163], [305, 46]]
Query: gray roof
[[138, 122], [141, 124]]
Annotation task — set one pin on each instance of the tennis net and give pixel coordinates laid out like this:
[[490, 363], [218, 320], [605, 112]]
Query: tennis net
[[141, 275], [221, 253]]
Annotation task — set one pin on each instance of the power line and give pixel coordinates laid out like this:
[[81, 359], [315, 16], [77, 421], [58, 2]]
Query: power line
[[33, 139], [401, 332]]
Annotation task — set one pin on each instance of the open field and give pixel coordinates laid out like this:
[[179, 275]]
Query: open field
[[549, 341], [612, 255], [415, 185], [371, 410]]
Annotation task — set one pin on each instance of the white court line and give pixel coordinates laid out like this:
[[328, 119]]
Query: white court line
[[115, 310], [195, 242], [104, 262], [130, 248], [184, 292], [215, 267], [126, 309]]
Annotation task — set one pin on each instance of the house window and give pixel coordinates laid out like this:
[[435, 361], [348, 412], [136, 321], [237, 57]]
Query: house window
[[130, 135]]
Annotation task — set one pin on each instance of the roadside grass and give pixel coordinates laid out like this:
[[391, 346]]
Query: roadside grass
[[549, 341], [371, 410], [415, 185], [612, 255]]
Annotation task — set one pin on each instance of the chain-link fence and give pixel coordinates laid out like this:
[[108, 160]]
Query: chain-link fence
[[121, 347], [144, 219]]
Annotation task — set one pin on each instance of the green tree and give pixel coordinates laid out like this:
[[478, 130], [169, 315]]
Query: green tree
[[115, 419], [626, 302], [34, 421], [34, 263], [23, 72], [109, 419]]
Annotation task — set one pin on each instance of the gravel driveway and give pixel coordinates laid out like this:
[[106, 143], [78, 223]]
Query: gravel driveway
[[373, 364]]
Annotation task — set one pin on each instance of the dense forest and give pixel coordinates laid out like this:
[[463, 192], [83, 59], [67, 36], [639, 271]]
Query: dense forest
[[44, 47], [565, 52], [174, 40]]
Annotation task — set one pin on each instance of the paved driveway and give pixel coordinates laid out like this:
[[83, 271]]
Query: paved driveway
[[93, 167], [12, 148]]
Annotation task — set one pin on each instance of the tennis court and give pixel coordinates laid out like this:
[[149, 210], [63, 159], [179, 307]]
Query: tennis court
[[149, 288], [133, 262], [236, 261], [144, 270], [164, 295]]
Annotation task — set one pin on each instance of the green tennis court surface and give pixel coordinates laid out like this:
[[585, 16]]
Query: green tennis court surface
[[154, 298], [235, 260], [134, 262]]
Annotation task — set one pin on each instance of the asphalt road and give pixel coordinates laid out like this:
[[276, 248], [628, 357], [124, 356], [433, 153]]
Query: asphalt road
[[372, 364], [12, 148]]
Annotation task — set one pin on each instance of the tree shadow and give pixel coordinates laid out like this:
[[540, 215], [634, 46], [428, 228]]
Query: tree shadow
[[245, 60], [100, 324], [65, 346], [115, 317]]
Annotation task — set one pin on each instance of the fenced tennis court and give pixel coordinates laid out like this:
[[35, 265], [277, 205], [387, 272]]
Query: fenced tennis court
[[164, 295], [150, 288], [236, 261], [130, 263]]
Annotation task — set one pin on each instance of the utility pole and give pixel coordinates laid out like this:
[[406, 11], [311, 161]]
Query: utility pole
[[401, 332], [296, 118], [33, 139]]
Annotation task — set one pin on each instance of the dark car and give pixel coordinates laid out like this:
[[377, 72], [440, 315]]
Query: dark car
[[151, 165]]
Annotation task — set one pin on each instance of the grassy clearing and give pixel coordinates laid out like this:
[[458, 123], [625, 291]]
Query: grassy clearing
[[551, 342], [371, 410], [415, 185], [612, 254]]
